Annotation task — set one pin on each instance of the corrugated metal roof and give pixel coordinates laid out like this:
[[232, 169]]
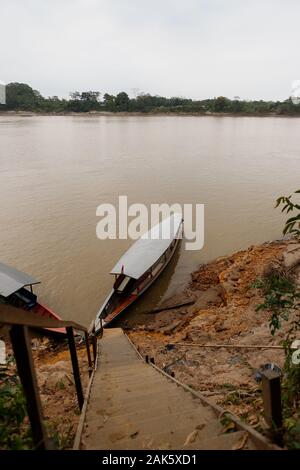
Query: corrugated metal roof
[[149, 248], [12, 280]]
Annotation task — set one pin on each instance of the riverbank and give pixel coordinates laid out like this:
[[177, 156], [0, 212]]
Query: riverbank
[[223, 313]]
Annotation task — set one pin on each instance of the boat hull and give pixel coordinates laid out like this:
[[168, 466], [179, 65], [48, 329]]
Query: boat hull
[[44, 311], [107, 321]]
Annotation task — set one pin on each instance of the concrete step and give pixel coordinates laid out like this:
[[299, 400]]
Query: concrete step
[[132, 386], [126, 373], [119, 354], [176, 438], [140, 397], [116, 414], [112, 407], [128, 425], [130, 438], [124, 370], [139, 380], [173, 430]]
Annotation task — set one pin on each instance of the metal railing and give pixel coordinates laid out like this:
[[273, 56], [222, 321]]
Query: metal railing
[[19, 323]]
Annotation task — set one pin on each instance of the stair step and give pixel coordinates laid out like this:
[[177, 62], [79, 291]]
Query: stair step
[[133, 406], [139, 397], [171, 439], [122, 429], [132, 386], [133, 383], [114, 407], [126, 370], [115, 414], [127, 374]]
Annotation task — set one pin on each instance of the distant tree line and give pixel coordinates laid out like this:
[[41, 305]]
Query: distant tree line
[[20, 96]]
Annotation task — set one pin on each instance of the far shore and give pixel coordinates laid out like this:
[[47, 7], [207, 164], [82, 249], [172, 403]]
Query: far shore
[[135, 113]]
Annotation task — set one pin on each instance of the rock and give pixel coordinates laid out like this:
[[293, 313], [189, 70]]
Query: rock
[[237, 359], [220, 326], [234, 273], [58, 380], [199, 336], [229, 288], [291, 257], [169, 328], [59, 365], [42, 377], [191, 438], [213, 295]]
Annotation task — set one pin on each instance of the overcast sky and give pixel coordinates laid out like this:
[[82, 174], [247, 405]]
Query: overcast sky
[[191, 48]]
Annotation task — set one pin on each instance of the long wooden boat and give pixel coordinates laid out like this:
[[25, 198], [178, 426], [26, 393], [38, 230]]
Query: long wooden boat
[[13, 290], [139, 267]]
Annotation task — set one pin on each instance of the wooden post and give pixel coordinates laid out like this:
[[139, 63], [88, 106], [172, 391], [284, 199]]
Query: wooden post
[[23, 356], [147, 358], [272, 398], [94, 345], [75, 365], [87, 344]]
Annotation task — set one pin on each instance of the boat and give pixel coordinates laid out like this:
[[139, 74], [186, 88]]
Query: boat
[[139, 267], [14, 290]]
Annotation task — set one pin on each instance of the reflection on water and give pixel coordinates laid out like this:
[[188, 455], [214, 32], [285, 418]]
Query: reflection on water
[[55, 171]]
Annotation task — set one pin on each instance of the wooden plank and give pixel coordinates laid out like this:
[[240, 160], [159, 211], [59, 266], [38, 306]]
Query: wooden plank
[[23, 355], [170, 307], [76, 372], [271, 389]]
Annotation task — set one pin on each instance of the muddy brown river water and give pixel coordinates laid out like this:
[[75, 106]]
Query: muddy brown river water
[[55, 171]]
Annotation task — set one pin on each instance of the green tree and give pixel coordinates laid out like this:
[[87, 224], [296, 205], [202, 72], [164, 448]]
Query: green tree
[[75, 95], [84, 101], [122, 101], [220, 104], [92, 96], [23, 97], [109, 101]]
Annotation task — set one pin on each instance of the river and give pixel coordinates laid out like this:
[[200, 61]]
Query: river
[[55, 171]]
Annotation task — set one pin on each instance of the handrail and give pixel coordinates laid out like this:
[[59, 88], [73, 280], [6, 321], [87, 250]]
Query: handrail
[[10, 315], [20, 322]]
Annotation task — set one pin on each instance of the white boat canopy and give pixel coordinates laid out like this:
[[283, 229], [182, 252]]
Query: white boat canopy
[[149, 248], [12, 280]]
